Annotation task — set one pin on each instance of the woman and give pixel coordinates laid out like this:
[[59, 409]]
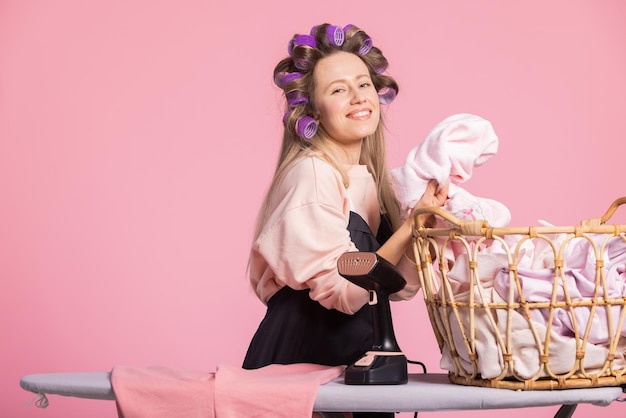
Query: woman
[[330, 194]]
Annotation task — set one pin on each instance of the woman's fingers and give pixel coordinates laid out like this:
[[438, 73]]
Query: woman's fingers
[[442, 194], [432, 197]]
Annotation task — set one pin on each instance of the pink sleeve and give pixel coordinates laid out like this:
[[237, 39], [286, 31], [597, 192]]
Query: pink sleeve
[[407, 267], [302, 250], [307, 233]]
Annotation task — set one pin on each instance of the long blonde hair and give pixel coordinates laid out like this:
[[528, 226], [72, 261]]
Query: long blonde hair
[[373, 149]]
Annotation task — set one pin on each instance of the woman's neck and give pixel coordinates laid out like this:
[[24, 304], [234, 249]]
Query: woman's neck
[[349, 154]]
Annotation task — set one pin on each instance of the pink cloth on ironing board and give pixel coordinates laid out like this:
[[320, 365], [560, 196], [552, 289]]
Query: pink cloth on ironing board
[[161, 392], [276, 390]]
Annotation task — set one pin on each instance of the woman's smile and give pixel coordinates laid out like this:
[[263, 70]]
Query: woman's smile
[[360, 114]]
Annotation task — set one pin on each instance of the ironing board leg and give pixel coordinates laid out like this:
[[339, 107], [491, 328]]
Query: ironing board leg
[[566, 411]]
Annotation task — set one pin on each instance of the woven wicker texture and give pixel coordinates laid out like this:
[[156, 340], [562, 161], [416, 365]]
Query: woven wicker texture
[[510, 339]]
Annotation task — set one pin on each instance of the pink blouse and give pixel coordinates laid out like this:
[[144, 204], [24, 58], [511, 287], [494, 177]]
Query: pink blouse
[[306, 232]]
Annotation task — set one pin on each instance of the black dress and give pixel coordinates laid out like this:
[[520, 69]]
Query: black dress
[[297, 329]]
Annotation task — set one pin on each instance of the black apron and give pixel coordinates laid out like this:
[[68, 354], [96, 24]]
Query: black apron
[[297, 329]]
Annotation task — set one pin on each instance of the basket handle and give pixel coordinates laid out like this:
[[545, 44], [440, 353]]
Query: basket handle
[[467, 227], [607, 215]]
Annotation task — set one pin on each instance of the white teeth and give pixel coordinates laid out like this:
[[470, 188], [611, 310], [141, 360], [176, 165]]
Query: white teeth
[[361, 114]]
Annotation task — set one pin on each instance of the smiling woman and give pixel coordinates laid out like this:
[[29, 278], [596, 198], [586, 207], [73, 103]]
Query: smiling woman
[[330, 195], [138, 139]]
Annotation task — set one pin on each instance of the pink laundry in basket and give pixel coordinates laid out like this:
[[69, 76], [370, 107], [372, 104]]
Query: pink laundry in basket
[[449, 153], [579, 274]]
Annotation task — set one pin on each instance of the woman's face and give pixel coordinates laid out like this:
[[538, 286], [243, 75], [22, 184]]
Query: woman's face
[[345, 97]]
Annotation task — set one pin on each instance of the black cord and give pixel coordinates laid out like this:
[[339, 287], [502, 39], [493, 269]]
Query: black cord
[[424, 371], [418, 362]]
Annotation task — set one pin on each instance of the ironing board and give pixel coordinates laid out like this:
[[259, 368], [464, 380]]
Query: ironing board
[[423, 392]]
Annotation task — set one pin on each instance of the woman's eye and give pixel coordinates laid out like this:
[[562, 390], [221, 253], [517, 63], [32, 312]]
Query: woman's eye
[[365, 84], [337, 90]]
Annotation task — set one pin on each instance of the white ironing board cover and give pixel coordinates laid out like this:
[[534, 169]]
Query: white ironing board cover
[[88, 385], [434, 392], [423, 392]]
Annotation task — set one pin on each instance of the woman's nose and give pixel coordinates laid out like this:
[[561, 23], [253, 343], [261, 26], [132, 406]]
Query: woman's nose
[[358, 97]]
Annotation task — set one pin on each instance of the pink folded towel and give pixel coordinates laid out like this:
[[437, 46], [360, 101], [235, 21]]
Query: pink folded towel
[[276, 390]]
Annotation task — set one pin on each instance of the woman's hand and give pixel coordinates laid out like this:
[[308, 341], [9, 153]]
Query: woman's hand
[[400, 241], [431, 197]]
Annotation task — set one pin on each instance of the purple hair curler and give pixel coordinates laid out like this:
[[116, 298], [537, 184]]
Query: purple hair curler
[[288, 77], [335, 35], [366, 46], [296, 98], [367, 43], [381, 69], [303, 64], [306, 127], [285, 116], [386, 95], [298, 40], [278, 78]]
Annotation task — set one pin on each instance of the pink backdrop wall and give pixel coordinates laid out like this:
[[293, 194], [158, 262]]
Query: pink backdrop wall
[[137, 139]]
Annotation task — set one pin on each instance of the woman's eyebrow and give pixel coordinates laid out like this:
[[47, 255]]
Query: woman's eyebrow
[[346, 79]]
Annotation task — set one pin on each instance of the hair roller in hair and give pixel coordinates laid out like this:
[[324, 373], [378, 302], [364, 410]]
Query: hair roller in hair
[[298, 40], [289, 77], [302, 64], [306, 127], [381, 68], [386, 95], [335, 35], [296, 98], [278, 78], [366, 46], [285, 117]]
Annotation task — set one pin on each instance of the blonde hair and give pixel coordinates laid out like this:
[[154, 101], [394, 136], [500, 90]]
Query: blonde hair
[[301, 63]]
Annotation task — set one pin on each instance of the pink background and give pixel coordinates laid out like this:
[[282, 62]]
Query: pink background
[[137, 139]]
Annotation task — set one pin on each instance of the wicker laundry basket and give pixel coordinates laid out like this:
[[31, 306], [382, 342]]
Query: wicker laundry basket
[[520, 307]]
